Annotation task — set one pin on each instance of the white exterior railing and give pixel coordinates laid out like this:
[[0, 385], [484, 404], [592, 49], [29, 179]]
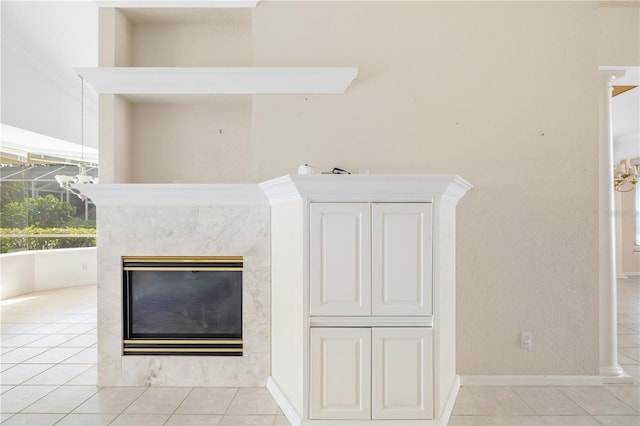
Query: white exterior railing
[[38, 270]]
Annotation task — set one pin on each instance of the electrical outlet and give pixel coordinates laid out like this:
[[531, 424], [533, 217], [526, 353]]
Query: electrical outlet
[[525, 339]]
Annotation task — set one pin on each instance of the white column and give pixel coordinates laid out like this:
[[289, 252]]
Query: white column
[[618, 219], [609, 366]]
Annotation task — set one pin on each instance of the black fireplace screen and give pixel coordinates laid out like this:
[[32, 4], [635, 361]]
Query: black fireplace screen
[[182, 306]]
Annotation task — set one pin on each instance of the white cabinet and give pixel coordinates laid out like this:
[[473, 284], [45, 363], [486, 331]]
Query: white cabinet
[[401, 259], [370, 259], [371, 373], [340, 373], [363, 298], [402, 373], [340, 252]]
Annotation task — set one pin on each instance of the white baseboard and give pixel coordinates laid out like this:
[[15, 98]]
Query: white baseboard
[[451, 401], [531, 380], [622, 276], [632, 274], [286, 407]]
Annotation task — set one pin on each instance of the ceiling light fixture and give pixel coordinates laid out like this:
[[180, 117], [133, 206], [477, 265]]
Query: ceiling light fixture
[[625, 176], [65, 181]]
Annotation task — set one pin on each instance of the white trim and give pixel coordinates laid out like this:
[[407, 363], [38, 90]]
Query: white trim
[[622, 379], [221, 80], [178, 3], [365, 188], [632, 274], [531, 380], [451, 401], [371, 322], [173, 194], [281, 190], [283, 402]]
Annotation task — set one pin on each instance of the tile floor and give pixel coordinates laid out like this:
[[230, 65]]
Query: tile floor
[[48, 377]]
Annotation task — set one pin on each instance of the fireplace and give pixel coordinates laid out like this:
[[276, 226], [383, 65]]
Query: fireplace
[[182, 305]]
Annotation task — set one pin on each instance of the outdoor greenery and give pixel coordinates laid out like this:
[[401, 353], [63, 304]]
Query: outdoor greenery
[[43, 212], [37, 217], [36, 239], [11, 192]]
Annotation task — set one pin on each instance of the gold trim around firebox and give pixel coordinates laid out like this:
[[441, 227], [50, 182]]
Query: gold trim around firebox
[[184, 342], [203, 350], [179, 268], [183, 259]]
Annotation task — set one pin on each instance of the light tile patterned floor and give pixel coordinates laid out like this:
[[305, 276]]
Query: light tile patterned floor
[[48, 377]]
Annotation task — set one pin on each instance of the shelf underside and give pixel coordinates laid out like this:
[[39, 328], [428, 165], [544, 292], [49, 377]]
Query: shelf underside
[[177, 3], [232, 80]]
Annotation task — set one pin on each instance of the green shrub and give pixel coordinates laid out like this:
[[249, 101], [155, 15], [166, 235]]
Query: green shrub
[[44, 212], [31, 242]]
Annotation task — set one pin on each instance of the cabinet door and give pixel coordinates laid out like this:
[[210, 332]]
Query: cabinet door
[[402, 378], [340, 255], [340, 373], [401, 259]]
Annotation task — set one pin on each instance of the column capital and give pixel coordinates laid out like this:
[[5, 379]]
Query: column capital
[[607, 77]]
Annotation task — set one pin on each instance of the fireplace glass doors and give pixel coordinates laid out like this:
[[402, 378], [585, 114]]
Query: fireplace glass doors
[[182, 305]]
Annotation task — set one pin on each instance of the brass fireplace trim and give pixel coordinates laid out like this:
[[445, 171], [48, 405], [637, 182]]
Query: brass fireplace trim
[[209, 263], [183, 342], [188, 350], [178, 268], [183, 259]]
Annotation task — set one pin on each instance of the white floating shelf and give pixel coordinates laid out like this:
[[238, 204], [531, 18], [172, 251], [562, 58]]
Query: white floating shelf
[[177, 3], [243, 80]]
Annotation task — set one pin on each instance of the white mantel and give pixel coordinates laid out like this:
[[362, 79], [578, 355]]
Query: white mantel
[[173, 194], [282, 189]]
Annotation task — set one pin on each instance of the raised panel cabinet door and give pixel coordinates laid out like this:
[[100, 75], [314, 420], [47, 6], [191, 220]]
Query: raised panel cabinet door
[[340, 256], [402, 373], [340, 373], [401, 259]]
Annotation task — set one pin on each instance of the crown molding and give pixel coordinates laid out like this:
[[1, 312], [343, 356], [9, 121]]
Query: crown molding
[[365, 188]]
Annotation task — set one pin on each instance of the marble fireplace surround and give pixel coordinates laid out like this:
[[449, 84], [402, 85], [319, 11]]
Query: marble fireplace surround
[[183, 220]]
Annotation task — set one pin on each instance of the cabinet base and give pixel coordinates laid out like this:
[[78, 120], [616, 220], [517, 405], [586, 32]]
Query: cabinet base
[[282, 401], [295, 419]]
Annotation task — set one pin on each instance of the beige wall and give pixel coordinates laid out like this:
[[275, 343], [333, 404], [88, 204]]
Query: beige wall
[[214, 38], [208, 141], [619, 34], [504, 94]]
